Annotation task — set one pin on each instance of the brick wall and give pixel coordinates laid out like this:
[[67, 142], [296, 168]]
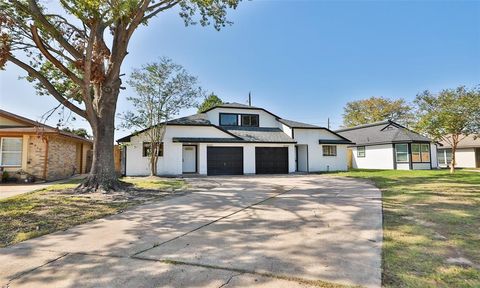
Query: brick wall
[[62, 158], [35, 156]]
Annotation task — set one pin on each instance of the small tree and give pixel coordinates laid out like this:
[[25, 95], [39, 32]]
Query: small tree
[[376, 109], [210, 101], [450, 115], [163, 88]]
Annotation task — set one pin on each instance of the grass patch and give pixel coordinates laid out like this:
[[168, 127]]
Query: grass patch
[[58, 207], [430, 218]]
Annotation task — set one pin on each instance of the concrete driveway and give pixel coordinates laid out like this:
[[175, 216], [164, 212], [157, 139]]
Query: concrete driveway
[[14, 189], [276, 231]]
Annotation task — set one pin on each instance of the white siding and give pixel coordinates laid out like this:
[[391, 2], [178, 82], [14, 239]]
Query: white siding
[[403, 166], [376, 157], [171, 162], [465, 158], [433, 149], [421, 166], [316, 161], [265, 119]]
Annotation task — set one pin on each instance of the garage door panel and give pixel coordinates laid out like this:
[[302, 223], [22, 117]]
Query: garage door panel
[[224, 160], [271, 160]]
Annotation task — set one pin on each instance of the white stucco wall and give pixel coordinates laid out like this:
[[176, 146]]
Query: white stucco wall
[[171, 161], [376, 157], [302, 158], [465, 158], [316, 161], [265, 119]]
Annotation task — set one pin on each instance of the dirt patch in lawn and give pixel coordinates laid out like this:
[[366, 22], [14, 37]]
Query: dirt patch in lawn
[[60, 207]]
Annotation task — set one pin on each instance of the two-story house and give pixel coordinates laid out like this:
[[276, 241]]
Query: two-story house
[[235, 139]]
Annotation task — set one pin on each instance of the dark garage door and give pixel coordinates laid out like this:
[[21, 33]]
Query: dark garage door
[[271, 160], [224, 160]]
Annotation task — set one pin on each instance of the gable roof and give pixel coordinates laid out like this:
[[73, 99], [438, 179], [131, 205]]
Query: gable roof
[[383, 132], [296, 124], [261, 134], [30, 126], [465, 142]]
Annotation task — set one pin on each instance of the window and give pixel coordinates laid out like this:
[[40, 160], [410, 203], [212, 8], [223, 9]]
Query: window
[[147, 149], [329, 150], [250, 120], [420, 153], [228, 119], [401, 152], [361, 151], [425, 152], [11, 152], [416, 157]]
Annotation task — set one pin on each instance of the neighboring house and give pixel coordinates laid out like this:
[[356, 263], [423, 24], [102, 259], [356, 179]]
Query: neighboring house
[[40, 150], [233, 138], [466, 156], [389, 145]]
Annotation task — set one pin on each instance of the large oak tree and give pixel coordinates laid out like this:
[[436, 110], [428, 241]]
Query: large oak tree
[[74, 52]]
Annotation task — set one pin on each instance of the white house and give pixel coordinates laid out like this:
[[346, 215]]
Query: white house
[[389, 145], [234, 139], [467, 154]]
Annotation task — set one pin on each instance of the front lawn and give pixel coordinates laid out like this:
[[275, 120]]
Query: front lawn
[[431, 227], [57, 207]]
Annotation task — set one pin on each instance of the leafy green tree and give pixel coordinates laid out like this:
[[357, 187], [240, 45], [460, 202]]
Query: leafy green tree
[[163, 89], [210, 101], [450, 115], [376, 109], [74, 52], [82, 132]]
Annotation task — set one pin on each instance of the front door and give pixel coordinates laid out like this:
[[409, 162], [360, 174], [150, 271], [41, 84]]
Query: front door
[[189, 159]]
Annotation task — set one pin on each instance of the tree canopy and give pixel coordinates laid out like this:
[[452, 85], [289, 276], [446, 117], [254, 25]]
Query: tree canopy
[[74, 51], [210, 101], [376, 109], [449, 115]]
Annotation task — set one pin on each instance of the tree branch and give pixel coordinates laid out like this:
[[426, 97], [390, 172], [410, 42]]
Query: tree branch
[[157, 8], [58, 64], [50, 88]]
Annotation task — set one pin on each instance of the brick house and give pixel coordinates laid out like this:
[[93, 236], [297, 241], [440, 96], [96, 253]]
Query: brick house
[[31, 148]]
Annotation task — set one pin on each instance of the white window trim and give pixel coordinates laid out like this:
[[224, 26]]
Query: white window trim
[[17, 152]]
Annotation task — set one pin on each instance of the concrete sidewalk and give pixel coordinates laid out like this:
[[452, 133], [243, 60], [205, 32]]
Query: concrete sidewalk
[[241, 231], [14, 189]]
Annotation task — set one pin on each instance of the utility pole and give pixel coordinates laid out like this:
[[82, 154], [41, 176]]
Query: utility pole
[[249, 99], [328, 123]]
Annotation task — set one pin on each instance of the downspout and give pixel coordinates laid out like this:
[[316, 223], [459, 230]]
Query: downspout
[[45, 160]]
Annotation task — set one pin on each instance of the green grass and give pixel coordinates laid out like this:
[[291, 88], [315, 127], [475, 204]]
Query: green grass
[[57, 208], [429, 217]]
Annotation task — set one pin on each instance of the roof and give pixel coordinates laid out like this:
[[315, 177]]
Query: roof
[[234, 105], [260, 134], [466, 142], [195, 119], [384, 132], [34, 127], [296, 124]]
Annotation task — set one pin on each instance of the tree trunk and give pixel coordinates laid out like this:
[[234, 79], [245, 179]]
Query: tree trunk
[[452, 162], [102, 175]]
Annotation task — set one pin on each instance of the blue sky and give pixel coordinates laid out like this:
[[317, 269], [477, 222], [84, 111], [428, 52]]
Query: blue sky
[[304, 60]]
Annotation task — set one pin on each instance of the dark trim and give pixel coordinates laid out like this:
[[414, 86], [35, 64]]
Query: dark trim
[[394, 157], [293, 133], [220, 118], [245, 108], [241, 120], [338, 142], [410, 155], [421, 159], [387, 142], [430, 150], [125, 162], [364, 152], [296, 158], [226, 140], [196, 158]]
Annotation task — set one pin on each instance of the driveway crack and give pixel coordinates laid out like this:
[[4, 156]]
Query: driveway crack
[[229, 279], [21, 274]]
